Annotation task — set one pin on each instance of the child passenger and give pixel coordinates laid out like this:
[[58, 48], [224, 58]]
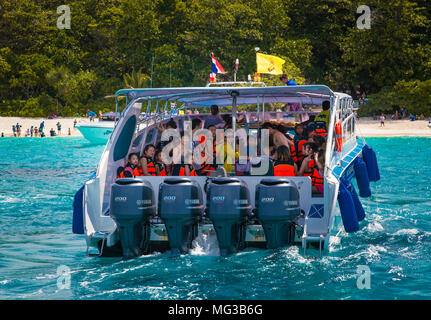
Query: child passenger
[[147, 162], [131, 168]]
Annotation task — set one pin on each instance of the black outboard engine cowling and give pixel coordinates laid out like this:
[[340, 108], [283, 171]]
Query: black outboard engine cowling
[[228, 203], [132, 205], [277, 208], [180, 207]]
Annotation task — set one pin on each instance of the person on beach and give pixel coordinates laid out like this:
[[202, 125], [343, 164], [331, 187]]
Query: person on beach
[[382, 120], [69, 133], [35, 131], [59, 127], [2, 135], [18, 129], [52, 132], [31, 131], [14, 130], [74, 123]]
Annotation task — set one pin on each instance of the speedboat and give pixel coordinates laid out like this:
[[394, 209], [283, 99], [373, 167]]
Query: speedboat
[[98, 132], [133, 216]]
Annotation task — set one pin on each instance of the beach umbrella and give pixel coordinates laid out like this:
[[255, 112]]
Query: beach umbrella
[[291, 82], [91, 113]]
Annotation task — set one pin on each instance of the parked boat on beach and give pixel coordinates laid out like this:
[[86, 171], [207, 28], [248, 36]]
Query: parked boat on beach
[[143, 214], [98, 132]]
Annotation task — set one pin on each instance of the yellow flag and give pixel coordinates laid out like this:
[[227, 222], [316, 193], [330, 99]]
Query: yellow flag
[[269, 64]]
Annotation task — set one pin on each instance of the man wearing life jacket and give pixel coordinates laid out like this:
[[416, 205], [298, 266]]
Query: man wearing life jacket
[[284, 166], [131, 169], [147, 162], [325, 114]]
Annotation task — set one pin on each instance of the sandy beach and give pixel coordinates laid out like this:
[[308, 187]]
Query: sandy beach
[[6, 124], [367, 127]]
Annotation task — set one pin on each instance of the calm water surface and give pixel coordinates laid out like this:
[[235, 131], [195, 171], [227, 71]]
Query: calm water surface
[[38, 178]]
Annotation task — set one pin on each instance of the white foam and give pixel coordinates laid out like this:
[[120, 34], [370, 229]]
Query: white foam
[[407, 232], [205, 245]]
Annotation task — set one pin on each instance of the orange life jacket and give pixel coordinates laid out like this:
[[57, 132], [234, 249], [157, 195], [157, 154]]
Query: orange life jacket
[[311, 165], [138, 171], [284, 168], [299, 153], [179, 170], [162, 169], [316, 178], [293, 153], [205, 170], [151, 167]]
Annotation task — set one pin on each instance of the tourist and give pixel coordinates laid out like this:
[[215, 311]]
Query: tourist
[[276, 137], [307, 165], [325, 114], [35, 132], [284, 165], [52, 132], [146, 161], [131, 168], [214, 119], [18, 129], [59, 127], [318, 171], [14, 130], [382, 120], [69, 133]]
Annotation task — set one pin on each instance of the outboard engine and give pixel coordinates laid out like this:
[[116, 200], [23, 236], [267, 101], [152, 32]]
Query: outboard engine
[[132, 205], [180, 207], [277, 207], [228, 203]]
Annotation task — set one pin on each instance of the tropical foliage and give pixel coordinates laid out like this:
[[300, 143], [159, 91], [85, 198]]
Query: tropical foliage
[[113, 44]]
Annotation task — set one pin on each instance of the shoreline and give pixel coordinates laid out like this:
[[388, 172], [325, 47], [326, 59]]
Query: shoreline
[[366, 127], [6, 124]]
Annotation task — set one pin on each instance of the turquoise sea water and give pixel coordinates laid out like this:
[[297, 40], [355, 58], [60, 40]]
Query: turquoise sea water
[[38, 178]]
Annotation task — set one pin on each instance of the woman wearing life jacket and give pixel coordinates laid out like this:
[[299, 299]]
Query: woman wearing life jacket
[[131, 168], [308, 164], [284, 166], [320, 141], [147, 163], [318, 171]]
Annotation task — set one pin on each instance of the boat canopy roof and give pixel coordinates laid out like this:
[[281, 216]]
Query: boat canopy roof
[[222, 96]]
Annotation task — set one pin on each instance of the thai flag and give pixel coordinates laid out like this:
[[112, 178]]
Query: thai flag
[[217, 68]]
